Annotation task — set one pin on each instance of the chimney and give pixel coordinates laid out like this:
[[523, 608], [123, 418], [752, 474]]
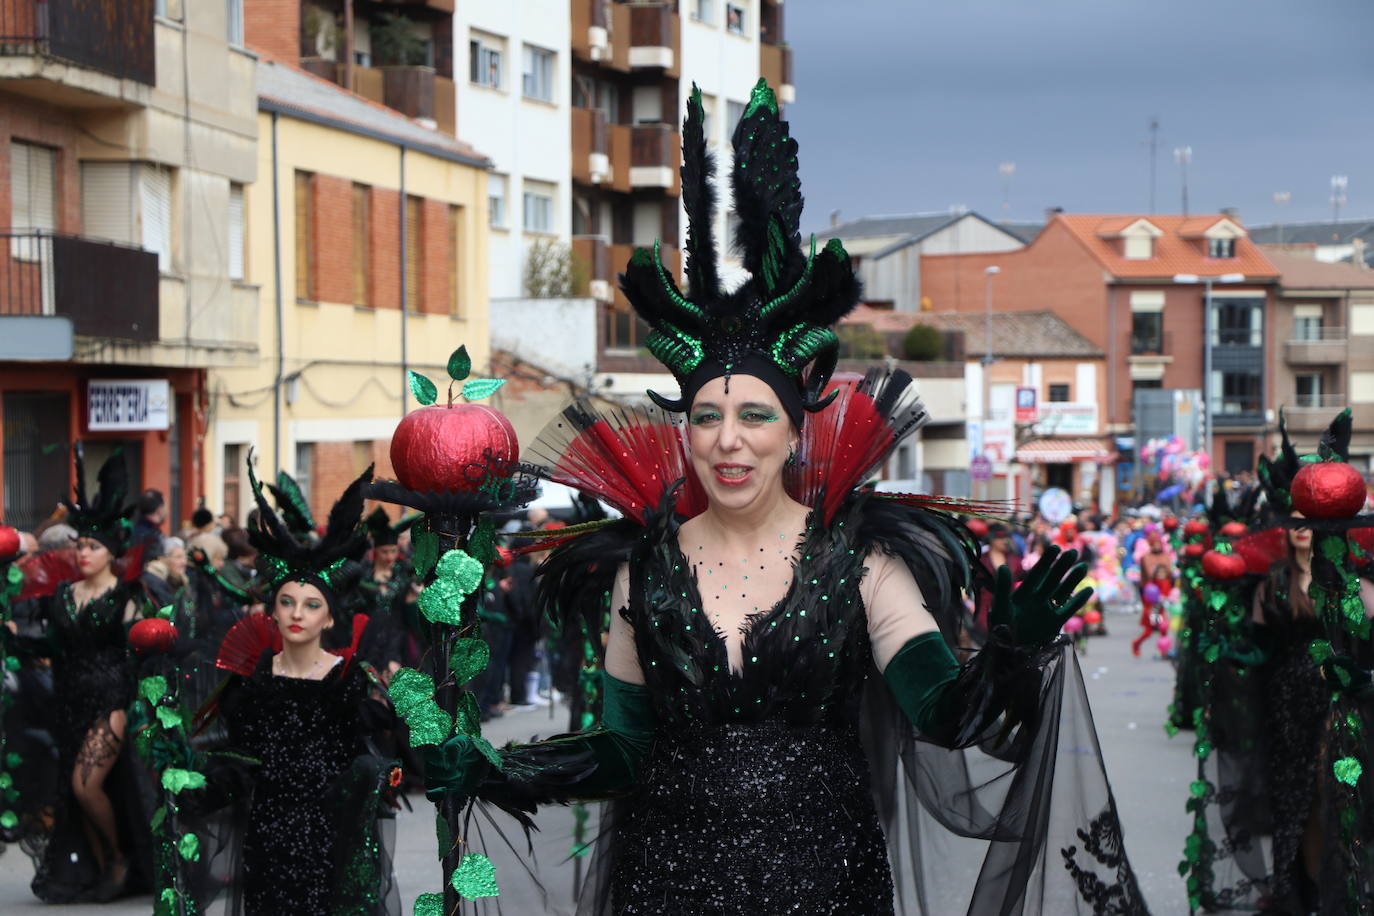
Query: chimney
[[1231, 213], [1051, 213], [834, 217], [1357, 246]]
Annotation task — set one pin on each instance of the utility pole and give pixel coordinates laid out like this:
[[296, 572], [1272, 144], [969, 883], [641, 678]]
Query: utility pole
[[1184, 155], [1281, 199], [1154, 152]]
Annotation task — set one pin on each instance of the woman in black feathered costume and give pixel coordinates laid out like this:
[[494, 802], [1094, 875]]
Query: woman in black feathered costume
[[776, 638]]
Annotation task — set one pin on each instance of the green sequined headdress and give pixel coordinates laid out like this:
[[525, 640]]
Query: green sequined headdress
[[105, 516], [329, 564], [779, 321]]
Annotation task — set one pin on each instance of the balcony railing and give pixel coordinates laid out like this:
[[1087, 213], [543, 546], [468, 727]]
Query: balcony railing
[[653, 34], [591, 146], [1310, 401], [653, 156], [1323, 334], [1317, 345], [107, 290], [112, 36]]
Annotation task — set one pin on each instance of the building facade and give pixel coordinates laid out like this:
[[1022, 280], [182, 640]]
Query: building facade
[[129, 136], [367, 242]]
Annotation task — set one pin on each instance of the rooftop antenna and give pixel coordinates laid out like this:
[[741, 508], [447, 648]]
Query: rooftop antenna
[[1006, 169], [1339, 184], [1184, 155], [1281, 199], [1154, 153]]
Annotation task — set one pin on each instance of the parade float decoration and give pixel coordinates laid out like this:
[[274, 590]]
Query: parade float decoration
[[11, 578], [455, 462]]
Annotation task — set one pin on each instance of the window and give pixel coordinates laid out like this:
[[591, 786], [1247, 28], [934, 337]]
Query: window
[[734, 112], [155, 202], [235, 231], [33, 199], [1221, 248], [1307, 389], [1139, 247], [734, 19], [496, 200], [415, 244], [1239, 322], [305, 467], [484, 61], [537, 82], [455, 250], [624, 329], [1147, 333], [305, 236], [362, 248], [1059, 393], [234, 16], [1307, 322], [538, 200], [1146, 384], [704, 11], [232, 467], [1237, 391]]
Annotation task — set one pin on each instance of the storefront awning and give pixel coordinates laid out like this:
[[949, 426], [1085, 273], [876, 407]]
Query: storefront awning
[[1065, 451]]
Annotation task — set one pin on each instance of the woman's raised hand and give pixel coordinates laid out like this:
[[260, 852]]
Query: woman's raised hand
[[1035, 613]]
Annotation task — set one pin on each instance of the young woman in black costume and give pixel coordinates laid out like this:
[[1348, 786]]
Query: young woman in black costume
[[755, 584]]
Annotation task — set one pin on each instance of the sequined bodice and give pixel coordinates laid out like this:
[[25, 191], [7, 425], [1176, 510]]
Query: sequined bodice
[[98, 625], [804, 659]]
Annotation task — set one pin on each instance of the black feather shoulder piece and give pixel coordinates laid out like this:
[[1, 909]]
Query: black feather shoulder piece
[[331, 564]]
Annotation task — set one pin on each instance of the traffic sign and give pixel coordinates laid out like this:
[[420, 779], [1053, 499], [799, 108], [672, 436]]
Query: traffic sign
[[980, 469]]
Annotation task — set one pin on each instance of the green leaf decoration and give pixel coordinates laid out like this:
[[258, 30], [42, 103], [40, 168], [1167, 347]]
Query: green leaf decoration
[[159, 816], [189, 847], [166, 612], [462, 570], [475, 877], [429, 905], [479, 388], [425, 544], [409, 688], [486, 750], [1212, 654], [459, 364], [1202, 749], [1320, 650], [6, 780], [422, 388], [468, 659], [1347, 770], [469, 719], [9, 820], [168, 717], [174, 780], [1333, 547], [11, 663], [1198, 788], [153, 689], [443, 834], [442, 602], [428, 724], [15, 575]]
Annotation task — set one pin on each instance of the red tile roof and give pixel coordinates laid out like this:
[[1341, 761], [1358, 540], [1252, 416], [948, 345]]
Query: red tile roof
[[1174, 254]]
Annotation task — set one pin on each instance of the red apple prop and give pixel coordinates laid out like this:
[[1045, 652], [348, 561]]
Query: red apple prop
[[449, 448], [9, 541], [977, 527], [1170, 523], [1223, 565], [152, 635], [1195, 528], [1234, 529], [1328, 489], [1193, 550]]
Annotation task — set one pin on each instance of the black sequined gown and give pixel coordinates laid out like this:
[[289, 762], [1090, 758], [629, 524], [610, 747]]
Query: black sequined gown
[[755, 797], [309, 847]]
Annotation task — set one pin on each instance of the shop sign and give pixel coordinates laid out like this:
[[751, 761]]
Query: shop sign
[[1025, 405], [1067, 418], [127, 404]]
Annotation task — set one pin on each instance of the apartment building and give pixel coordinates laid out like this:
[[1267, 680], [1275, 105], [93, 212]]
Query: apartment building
[[128, 137], [1139, 287]]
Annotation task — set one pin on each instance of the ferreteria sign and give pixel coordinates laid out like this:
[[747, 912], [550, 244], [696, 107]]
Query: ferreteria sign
[[127, 404]]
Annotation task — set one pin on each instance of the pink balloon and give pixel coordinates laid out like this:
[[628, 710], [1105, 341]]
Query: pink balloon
[[1164, 644], [1073, 624]]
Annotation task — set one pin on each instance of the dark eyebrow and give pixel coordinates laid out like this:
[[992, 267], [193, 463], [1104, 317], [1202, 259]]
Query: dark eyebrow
[[705, 404], [757, 405]]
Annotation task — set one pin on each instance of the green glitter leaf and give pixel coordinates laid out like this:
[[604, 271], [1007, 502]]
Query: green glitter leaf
[[441, 602], [1198, 788], [486, 750], [428, 724], [1333, 547], [153, 689], [1170, 729], [1320, 650], [442, 833], [469, 720], [425, 548], [168, 717], [15, 575], [475, 877], [11, 663], [479, 388], [468, 659], [1202, 749], [462, 570], [9, 820], [1212, 654], [1347, 770], [1217, 600], [159, 816], [174, 780], [482, 542], [459, 364], [166, 612], [189, 847], [13, 760], [422, 388], [429, 905], [409, 688]]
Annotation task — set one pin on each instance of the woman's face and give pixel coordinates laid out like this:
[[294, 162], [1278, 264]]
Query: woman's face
[[92, 557], [301, 613], [176, 561], [384, 557], [1300, 538], [740, 440]]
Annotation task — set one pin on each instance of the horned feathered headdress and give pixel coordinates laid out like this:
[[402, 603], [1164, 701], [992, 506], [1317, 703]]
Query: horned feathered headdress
[[779, 321], [105, 516]]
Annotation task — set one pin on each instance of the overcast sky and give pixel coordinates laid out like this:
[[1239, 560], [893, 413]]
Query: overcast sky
[[911, 105]]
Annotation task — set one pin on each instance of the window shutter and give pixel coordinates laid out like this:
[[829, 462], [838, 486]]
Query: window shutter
[[305, 248], [236, 231], [32, 188], [362, 249], [107, 209], [455, 219], [155, 202], [413, 247], [19, 186]]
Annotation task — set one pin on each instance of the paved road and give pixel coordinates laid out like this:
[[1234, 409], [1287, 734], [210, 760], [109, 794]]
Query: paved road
[[1149, 772]]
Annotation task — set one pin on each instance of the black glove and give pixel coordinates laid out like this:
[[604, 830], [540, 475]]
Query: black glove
[[1034, 614]]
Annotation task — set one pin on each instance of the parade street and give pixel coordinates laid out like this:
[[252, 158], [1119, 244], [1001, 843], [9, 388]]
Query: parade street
[[1150, 774]]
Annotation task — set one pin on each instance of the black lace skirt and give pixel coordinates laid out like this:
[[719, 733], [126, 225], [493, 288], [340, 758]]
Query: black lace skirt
[[752, 818]]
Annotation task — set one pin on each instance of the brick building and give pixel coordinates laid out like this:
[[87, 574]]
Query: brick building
[[1135, 286]]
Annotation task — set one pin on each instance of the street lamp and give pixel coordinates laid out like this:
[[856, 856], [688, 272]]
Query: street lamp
[[989, 272], [1207, 334]]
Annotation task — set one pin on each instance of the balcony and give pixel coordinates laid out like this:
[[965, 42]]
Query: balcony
[[1317, 346], [653, 35], [590, 35], [775, 65], [1312, 413], [654, 152], [594, 252], [591, 146], [415, 91], [106, 290], [1152, 346], [68, 51]]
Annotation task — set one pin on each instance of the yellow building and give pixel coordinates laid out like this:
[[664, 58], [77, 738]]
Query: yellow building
[[367, 237]]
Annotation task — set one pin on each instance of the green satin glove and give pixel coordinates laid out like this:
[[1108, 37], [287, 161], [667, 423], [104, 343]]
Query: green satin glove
[[1035, 613], [922, 676]]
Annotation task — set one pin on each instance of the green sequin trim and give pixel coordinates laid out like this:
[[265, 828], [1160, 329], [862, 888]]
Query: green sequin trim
[[796, 289], [761, 97]]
